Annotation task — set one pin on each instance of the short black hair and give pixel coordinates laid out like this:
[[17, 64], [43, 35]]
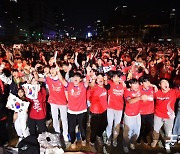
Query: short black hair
[[78, 74], [15, 70], [144, 78], [118, 73], [133, 80], [102, 74]]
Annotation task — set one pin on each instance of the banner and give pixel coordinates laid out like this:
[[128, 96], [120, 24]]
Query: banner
[[106, 69], [17, 46], [16, 104]]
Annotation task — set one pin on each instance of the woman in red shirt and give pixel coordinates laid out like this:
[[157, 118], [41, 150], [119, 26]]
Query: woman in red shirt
[[37, 113], [98, 108]]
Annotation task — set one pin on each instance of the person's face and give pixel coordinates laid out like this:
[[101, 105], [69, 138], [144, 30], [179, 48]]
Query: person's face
[[92, 73], [94, 66], [99, 62], [72, 60], [76, 80], [46, 70], [20, 93], [116, 79], [34, 82], [134, 86], [151, 64], [168, 64], [100, 80], [19, 63], [146, 84], [53, 72], [115, 61], [110, 62], [51, 61], [139, 60], [15, 74], [65, 68], [83, 63], [164, 85]]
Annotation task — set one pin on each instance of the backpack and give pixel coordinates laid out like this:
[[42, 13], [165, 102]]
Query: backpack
[[29, 145]]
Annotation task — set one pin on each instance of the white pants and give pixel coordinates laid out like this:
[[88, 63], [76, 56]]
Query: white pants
[[168, 125], [63, 116], [134, 124], [113, 115], [21, 125]]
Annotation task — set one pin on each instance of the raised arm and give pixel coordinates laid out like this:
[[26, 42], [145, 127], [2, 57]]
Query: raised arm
[[64, 82]]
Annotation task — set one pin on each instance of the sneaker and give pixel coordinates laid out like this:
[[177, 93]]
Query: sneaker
[[132, 146], [11, 149], [99, 140], [153, 144], [172, 144], [83, 143], [92, 147], [48, 122], [108, 142], [67, 144], [178, 139], [125, 149], [115, 143], [5, 144], [167, 147], [73, 146]]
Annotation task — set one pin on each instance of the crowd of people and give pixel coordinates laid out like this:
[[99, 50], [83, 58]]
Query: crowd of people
[[103, 84]]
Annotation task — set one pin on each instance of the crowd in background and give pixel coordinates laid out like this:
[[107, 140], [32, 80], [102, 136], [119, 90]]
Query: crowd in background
[[92, 82]]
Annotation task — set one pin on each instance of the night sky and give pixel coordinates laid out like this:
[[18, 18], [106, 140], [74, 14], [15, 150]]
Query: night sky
[[81, 13]]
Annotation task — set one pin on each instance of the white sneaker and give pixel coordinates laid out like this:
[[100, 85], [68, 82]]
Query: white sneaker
[[115, 143], [67, 144], [108, 142], [132, 146], [167, 147]]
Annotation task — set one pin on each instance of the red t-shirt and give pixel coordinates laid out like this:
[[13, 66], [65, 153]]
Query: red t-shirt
[[164, 103], [37, 109], [56, 92], [115, 96], [147, 107], [132, 109], [98, 98], [76, 97], [166, 72]]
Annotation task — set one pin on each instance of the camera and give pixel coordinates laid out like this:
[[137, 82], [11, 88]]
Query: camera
[[137, 63]]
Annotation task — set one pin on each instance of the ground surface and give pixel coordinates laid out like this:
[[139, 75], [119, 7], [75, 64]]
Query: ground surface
[[140, 149]]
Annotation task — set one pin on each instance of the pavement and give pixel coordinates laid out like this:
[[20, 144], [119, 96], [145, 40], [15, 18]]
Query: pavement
[[139, 148]]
